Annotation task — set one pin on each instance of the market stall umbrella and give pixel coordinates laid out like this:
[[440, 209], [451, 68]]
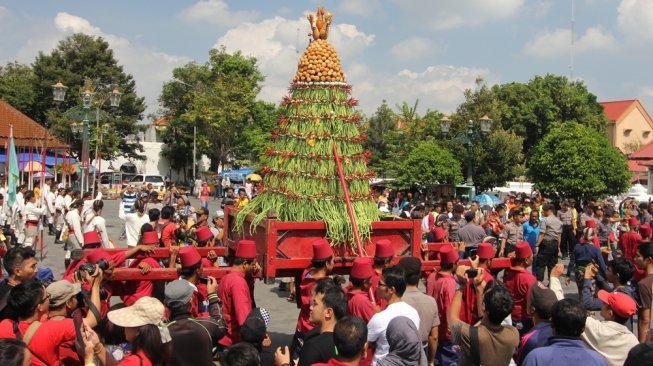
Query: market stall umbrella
[[31, 167], [254, 177]]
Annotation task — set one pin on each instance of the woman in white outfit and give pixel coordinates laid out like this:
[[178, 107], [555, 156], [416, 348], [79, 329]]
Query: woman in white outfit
[[33, 217], [95, 222]]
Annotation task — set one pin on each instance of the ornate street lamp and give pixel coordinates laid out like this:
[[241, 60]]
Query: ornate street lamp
[[114, 98], [59, 92], [469, 139]]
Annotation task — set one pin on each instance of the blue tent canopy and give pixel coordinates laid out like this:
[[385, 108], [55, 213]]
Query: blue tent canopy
[[49, 159]]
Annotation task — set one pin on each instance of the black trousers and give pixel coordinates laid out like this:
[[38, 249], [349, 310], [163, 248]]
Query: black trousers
[[568, 240], [547, 258]]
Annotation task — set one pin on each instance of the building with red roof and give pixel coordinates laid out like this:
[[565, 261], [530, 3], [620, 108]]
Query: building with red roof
[[27, 132], [630, 126]]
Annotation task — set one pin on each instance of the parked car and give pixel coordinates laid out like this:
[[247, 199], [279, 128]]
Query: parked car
[[115, 180], [142, 180]]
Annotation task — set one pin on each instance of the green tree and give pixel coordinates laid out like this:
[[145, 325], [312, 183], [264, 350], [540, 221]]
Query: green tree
[[218, 98], [427, 163], [17, 87], [379, 128], [530, 109], [497, 160], [81, 61], [573, 160]]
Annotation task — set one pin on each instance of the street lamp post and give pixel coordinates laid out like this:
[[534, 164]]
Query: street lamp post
[[469, 139], [59, 94]]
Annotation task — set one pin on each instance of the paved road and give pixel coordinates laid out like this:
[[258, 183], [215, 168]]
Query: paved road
[[282, 313]]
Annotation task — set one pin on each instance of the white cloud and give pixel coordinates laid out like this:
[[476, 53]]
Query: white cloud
[[216, 12], [362, 8], [558, 42], [438, 87], [454, 14], [150, 67], [3, 11], [414, 48], [635, 19], [277, 44]]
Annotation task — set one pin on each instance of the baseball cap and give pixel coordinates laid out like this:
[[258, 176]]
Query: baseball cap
[[620, 303], [146, 310], [62, 291], [179, 291]]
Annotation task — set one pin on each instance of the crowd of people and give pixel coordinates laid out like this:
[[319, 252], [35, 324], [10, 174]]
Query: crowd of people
[[390, 311]]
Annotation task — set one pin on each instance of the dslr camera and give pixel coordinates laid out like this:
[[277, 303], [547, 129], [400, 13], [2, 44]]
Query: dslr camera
[[90, 267]]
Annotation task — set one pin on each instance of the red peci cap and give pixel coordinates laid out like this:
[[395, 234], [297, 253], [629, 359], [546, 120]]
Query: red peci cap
[[384, 249], [92, 237], [448, 254], [620, 303], [322, 250], [362, 268], [590, 224], [150, 238], [246, 249], [485, 251], [97, 254], [633, 221], [523, 250], [203, 233], [645, 230], [189, 256]]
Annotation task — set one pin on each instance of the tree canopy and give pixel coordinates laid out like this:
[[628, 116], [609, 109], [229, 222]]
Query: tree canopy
[[219, 98], [82, 61], [573, 160], [426, 164]]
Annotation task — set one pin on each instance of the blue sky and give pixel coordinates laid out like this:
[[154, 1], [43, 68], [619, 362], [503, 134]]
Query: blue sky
[[398, 50]]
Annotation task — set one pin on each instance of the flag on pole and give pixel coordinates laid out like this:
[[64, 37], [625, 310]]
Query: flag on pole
[[12, 172]]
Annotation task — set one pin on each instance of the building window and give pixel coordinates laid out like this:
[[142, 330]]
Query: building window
[[646, 134], [627, 132]]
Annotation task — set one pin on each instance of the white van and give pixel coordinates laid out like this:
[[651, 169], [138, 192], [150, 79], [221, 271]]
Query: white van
[[142, 180]]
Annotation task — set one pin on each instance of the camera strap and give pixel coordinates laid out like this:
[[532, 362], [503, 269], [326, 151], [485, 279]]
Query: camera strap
[[91, 307]]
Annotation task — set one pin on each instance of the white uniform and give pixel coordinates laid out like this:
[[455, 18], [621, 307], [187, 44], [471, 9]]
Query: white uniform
[[75, 236], [18, 218], [50, 198], [59, 209], [98, 223], [67, 200], [33, 216]]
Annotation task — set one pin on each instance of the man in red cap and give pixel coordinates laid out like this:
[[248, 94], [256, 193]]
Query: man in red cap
[[519, 280], [92, 240], [383, 256], [321, 267], [358, 296], [629, 241], [442, 286], [235, 292], [610, 337], [191, 270], [469, 312]]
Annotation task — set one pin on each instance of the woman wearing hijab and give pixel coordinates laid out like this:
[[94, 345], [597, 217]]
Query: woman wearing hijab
[[144, 330], [405, 346]]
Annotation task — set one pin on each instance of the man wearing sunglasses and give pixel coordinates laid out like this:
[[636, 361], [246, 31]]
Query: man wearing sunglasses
[[391, 288]]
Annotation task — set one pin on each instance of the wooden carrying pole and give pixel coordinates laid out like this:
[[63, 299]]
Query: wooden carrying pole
[[350, 208]]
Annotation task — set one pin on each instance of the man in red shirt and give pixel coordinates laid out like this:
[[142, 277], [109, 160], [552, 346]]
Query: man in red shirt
[[191, 270], [358, 296], [234, 292], [519, 280], [30, 302], [166, 227], [469, 312], [629, 241], [383, 255], [321, 266], [442, 286]]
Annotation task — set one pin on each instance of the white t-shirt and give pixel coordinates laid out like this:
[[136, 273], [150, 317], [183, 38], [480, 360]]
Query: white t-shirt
[[379, 323]]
